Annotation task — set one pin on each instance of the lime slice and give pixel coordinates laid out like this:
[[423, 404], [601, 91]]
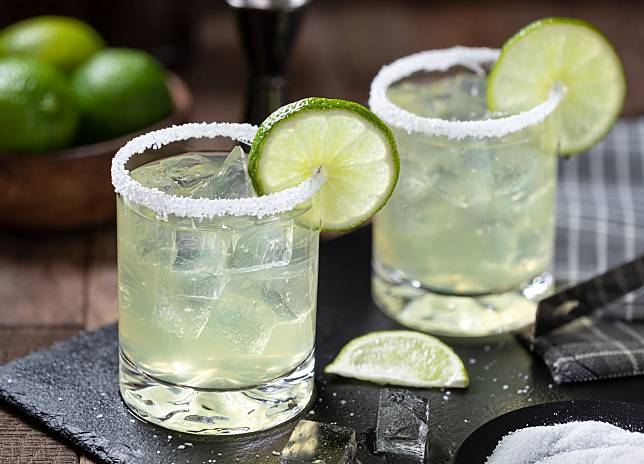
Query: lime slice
[[574, 54], [354, 149], [400, 357]]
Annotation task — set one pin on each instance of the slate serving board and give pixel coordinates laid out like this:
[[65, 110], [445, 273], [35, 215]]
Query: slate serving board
[[83, 374], [72, 389]]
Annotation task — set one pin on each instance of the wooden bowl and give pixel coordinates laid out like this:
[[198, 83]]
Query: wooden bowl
[[70, 188]]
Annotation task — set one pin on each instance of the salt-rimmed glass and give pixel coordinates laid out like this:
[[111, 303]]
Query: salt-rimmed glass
[[217, 297], [464, 245]]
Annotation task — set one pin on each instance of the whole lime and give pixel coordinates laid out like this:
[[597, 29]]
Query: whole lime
[[37, 108], [118, 91], [58, 40]]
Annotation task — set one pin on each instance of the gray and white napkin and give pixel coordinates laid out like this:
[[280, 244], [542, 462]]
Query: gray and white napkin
[[600, 224]]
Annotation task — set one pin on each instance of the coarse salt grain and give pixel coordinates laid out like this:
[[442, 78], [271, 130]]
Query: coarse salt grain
[[442, 60], [570, 443], [164, 204]]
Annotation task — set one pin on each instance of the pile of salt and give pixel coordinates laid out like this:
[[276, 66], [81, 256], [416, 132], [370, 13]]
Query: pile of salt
[[586, 442]]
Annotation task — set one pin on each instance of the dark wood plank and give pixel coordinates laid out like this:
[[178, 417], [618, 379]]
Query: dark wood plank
[[101, 307], [20, 341], [22, 444], [20, 441], [87, 460], [42, 279]]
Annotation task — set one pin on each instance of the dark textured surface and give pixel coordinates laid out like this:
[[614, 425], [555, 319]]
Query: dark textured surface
[[81, 371]]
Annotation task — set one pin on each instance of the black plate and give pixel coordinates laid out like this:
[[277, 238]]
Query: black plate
[[481, 443]]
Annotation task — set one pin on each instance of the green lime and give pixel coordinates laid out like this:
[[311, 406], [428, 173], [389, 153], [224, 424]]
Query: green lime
[[571, 53], [119, 91], [356, 151], [37, 109], [61, 41], [400, 357]]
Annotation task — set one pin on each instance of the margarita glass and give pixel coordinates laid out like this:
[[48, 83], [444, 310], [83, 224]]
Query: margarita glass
[[464, 246], [217, 286]]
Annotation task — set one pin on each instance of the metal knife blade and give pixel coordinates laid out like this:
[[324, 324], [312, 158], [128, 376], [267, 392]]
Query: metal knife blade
[[585, 297]]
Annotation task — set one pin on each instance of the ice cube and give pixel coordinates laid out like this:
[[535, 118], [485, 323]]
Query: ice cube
[[183, 316], [262, 247], [242, 318], [291, 292], [413, 184], [178, 175], [314, 442], [402, 424], [231, 181], [189, 171], [467, 97], [275, 295], [421, 97], [190, 279], [462, 177], [145, 236], [515, 172], [198, 264], [458, 97]]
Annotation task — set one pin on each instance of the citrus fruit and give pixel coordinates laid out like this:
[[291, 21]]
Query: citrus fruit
[[37, 109], [574, 55], [118, 91], [400, 357], [61, 41], [354, 149]]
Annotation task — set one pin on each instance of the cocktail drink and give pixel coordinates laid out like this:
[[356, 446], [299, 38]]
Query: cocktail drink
[[217, 287], [465, 244]]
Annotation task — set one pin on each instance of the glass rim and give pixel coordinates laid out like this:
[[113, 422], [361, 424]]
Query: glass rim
[[164, 204], [441, 60], [218, 221]]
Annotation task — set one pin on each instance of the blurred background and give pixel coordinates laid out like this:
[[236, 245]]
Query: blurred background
[[341, 44], [228, 60]]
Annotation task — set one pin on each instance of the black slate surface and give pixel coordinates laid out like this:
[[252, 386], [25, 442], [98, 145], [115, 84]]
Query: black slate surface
[[69, 386]]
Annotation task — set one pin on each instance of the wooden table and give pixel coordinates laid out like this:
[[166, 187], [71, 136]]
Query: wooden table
[[51, 286], [54, 285]]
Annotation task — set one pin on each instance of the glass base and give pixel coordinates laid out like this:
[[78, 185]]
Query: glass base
[[216, 412], [420, 308]]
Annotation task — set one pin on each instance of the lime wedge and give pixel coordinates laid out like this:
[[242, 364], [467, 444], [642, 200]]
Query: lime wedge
[[354, 149], [573, 54], [400, 357]]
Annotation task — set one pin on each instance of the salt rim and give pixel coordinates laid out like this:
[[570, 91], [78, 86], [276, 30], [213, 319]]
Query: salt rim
[[441, 60], [164, 204]]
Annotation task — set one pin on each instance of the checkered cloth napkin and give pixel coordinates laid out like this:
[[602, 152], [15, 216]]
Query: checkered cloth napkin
[[600, 224]]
